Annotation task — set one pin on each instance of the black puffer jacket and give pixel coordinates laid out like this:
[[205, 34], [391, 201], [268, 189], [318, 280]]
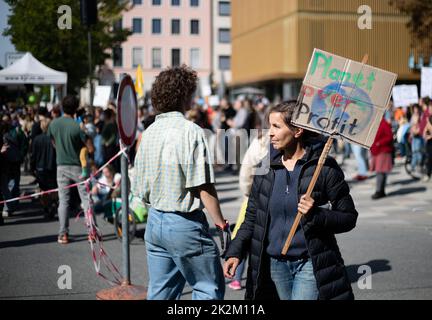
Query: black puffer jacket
[[319, 227]]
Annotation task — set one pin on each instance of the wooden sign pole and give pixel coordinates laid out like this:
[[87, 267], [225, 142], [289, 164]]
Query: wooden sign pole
[[311, 186]]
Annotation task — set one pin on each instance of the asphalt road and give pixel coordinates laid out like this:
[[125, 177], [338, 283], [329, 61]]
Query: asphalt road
[[393, 239]]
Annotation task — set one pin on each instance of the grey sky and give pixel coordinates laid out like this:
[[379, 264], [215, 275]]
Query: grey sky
[[5, 44]]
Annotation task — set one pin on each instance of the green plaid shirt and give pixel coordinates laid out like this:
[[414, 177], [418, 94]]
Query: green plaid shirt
[[172, 158]]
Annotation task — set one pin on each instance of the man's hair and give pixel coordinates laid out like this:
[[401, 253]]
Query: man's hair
[[70, 105], [173, 89]]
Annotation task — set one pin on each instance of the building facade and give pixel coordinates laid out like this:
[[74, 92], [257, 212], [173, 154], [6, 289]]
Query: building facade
[[273, 40], [221, 41], [165, 33]]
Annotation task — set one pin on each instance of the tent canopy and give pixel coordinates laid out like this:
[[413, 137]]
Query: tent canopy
[[28, 70]]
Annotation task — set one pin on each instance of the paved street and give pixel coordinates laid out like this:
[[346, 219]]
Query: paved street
[[393, 236]]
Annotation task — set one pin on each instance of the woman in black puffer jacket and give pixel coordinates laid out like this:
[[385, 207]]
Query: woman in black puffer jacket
[[313, 267]]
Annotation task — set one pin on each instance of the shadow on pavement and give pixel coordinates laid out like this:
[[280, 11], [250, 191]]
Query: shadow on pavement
[[49, 239], [381, 265], [28, 242], [229, 199], [403, 182], [226, 189], [406, 191]]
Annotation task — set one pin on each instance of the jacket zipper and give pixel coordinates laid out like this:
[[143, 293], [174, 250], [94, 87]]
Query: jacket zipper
[[266, 223], [262, 247]]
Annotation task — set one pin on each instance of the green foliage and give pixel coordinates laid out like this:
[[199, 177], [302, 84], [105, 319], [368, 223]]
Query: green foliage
[[33, 27], [420, 24]]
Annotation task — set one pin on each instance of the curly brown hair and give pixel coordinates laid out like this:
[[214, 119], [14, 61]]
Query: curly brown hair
[[173, 89]]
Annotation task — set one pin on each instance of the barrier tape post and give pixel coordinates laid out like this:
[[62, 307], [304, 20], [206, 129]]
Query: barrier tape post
[[127, 118], [125, 221]]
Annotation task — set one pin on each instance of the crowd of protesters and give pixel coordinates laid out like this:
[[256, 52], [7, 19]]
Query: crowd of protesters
[[26, 143]]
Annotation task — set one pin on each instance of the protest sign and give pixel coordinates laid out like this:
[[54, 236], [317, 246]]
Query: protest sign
[[405, 95], [102, 96], [343, 97], [340, 98], [426, 82]]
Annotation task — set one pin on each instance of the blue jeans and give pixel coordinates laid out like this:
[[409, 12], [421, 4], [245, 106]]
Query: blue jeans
[[416, 149], [180, 249], [360, 156], [294, 280], [240, 268]]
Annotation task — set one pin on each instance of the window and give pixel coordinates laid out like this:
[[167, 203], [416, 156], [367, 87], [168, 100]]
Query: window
[[195, 58], [194, 3], [156, 2], [156, 26], [156, 58], [118, 25], [175, 57], [137, 57], [137, 1], [117, 56], [175, 26], [224, 35], [136, 25], [175, 3], [194, 27], [224, 8], [224, 62]]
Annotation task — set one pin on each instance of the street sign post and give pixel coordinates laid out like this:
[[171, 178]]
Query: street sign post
[[127, 125]]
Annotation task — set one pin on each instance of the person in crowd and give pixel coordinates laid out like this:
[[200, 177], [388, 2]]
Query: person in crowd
[[416, 139], [224, 136], [15, 147], [360, 154], [427, 135], [56, 112], [171, 174], [99, 118], [2, 151], [110, 138], [43, 164], [68, 139], [101, 191], [313, 267], [402, 136], [381, 160]]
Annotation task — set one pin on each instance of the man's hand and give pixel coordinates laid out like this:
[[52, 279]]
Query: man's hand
[[230, 267], [224, 236], [306, 203]]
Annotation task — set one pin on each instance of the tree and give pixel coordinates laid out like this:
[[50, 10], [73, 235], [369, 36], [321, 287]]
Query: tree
[[33, 27], [420, 24]]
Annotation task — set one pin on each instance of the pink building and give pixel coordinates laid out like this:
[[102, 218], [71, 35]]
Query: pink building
[[165, 33]]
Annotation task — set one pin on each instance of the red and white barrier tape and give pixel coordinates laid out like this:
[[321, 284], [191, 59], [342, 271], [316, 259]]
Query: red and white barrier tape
[[94, 232]]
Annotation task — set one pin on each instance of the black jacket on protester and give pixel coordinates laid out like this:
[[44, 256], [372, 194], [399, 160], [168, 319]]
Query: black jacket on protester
[[319, 226]]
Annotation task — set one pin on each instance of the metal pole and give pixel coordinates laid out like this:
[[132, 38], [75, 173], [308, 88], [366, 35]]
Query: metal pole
[[90, 66], [125, 221]]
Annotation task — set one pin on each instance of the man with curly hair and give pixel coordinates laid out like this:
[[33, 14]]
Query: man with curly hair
[[174, 176]]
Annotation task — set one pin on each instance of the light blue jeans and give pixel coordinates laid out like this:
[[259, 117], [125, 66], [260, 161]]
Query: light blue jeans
[[294, 280], [360, 156], [180, 249], [416, 149]]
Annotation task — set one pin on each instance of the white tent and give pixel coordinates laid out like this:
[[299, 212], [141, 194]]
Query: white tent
[[28, 70]]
